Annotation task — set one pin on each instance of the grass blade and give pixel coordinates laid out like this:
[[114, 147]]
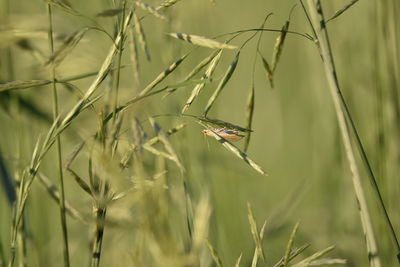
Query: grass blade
[[342, 10], [276, 54], [14, 85], [289, 246], [214, 254], [196, 90], [237, 264], [222, 83], [307, 261], [201, 41], [249, 116], [150, 9], [68, 45], [254, 232], [142, 37], [268, 71], [110, 12], [162, 76]]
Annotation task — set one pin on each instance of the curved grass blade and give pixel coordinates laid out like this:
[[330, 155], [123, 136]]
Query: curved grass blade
[[293, 254], [142, 37], [201, 41], [162, 76], [207, 75], [342, 10], [214, 254], [249, 116], [110, 12], [63, 4], [237, 264], [279, 46], [307, 261], [236, 151], [150, 9], [231, 69], [254, 231], [268, 70], [289, 246], [14, 85], [222, 124], [134, 57], [68, 45]]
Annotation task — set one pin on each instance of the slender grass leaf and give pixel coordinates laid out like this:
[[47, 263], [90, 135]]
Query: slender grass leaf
[[201, 41], [73, 155], [276, 54], [162, 76], [167, 3], [268, 71], [249, 116], [14, 85], [327, 261], [342, 10], [214, 254], [110, 12], [81, 182], [150, 9], [307, 261], [289, 246], [55, 195], [237, 264], [207, 75], [223, 82], [134, 57], [142, 38], [254, 232], [293, 254], [68, 45], [64, 5]]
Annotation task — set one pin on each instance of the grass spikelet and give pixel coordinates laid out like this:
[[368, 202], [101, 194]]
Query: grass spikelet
[[167, 3], [201, 223], [162, 76], [214, 254], [342, 10], [81, 182], [207, 75], [201, 65], [150, 9], [228, 74], [201, 41], [68, 45], [110, 12], [249, 116], [167, 144], [14, 85], [73, 155], [289, 246], [236, 151], [268, 71], [276, 54], [134, 57], [254, 232], [309, 260], [64, 5], [142, 38], [293, 254]]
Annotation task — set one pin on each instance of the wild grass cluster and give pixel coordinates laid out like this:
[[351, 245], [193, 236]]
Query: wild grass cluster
[[199, 133]]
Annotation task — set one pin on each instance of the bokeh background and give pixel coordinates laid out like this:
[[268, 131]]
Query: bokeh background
[[296, 137]]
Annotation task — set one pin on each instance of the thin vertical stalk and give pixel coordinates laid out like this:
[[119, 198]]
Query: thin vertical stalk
[[58, 142], [344, 121], [99, 212], [121, 44]]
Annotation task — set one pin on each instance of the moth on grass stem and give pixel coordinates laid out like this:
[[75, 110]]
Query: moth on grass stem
[[228, 134]]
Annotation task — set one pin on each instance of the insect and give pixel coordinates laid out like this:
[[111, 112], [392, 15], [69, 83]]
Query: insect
[[228, 134]]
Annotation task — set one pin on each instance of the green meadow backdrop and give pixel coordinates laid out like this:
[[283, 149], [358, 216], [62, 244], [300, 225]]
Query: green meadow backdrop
[[99, 167]]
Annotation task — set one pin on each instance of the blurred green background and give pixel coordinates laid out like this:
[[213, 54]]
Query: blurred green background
[[296, 137]]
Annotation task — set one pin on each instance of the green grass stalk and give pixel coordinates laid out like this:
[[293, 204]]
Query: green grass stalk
[[58, 145], [348, 129]]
